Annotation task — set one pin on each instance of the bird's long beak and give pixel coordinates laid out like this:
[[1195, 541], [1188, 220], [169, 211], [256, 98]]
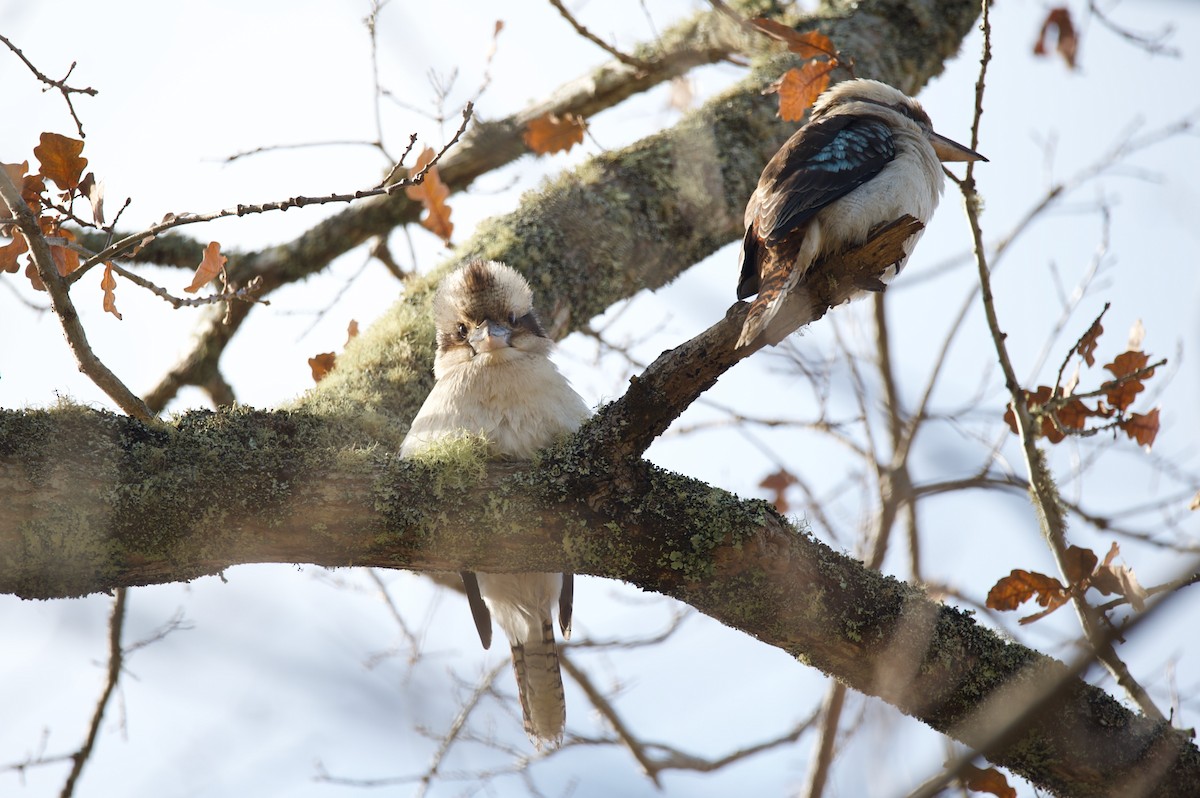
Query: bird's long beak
[[949, 150], [490, 336]]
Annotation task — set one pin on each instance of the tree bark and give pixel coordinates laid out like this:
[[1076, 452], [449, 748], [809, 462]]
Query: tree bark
[[95, 501]]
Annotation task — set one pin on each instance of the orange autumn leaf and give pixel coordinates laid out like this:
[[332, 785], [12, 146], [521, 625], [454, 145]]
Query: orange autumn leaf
[[1079, 563], [552, 133], [1090, 340], [321, 365], [1068, 39], [778, 483], [1143, 428], [1035, 401], [812, 44], [108, 284], [60, 160], [9, 253], [1074, 414], [1121, 394], [65, 260], [32, 186], [210, 266], [800, 88], [1020, 586], [990, 780], [34, 278], [15, 171], [351, 330], [431, 192], [32, 189]]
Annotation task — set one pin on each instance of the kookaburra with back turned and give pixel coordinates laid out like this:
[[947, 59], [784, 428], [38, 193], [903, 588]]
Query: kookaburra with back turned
[[867, 156], [494, 378]]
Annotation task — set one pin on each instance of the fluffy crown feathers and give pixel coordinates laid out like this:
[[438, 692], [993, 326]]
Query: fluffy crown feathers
[[479, 291], [844, 94]]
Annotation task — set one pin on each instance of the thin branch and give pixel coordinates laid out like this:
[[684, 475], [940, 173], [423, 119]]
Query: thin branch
[[298, 146], [456, 727], [61, 84], [1047, 501], [822, 759], [609, 713], [628, 60], [393, 610], [1153, 43], [246, 293], [64, 308], [129, 242], [116, 658]]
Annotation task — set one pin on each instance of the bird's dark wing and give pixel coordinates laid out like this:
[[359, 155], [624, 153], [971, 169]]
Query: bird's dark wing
[[822, 162], [479, 610], [566, 602]]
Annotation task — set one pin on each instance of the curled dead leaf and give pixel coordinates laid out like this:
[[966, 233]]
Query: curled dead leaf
[[431, 192], [108, 284], [210, 266], [1020, 586], [10, 252], [1067, 44]]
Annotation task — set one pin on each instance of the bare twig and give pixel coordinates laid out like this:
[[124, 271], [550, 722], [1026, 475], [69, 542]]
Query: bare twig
[[628, 60], [822, 760], [116, 657], [456, 728], [244, 294], [724, 9], [1154, 43], [609, 713], [237, 156], [393, 610], [36, 759], [173, 221], [61, 84]]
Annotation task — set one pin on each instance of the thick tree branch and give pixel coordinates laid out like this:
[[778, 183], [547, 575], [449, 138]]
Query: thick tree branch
[[94, 501]]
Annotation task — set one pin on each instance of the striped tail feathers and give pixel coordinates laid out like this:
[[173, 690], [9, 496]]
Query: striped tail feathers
[[540, 687], [776, 276]]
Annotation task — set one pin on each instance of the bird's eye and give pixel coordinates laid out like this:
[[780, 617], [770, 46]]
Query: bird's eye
[[461, 329]]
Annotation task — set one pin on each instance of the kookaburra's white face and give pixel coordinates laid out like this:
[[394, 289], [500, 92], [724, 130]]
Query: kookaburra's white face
[[484, 316], [859, 96]]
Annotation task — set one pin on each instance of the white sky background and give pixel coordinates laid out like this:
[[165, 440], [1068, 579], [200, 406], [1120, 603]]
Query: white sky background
[[271, 678]]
